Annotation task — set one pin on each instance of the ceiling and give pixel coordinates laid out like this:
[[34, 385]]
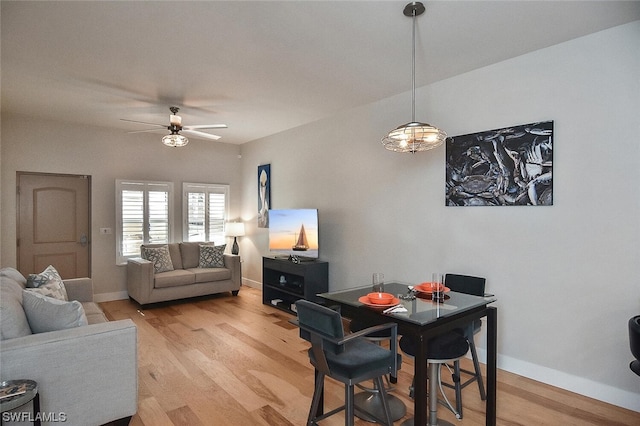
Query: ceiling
[[260, 67]]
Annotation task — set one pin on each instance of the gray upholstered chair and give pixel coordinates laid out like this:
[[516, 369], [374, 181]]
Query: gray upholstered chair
[[350, 359], [369, 400]]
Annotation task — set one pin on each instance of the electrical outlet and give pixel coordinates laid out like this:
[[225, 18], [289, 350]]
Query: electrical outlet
[[105, 231]]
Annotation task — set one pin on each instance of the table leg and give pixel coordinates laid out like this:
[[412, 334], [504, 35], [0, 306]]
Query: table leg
[[420, 387], [492, 351], [36, 409]]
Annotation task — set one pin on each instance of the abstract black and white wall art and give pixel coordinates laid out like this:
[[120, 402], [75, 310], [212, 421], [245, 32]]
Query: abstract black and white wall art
[[503, 167]]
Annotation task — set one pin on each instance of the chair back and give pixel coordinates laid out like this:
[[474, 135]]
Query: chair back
[[634, 336], [465, 284]]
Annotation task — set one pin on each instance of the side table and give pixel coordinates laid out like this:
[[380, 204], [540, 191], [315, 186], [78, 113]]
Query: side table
[[29, 392]]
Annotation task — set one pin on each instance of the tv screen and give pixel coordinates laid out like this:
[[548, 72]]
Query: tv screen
[[294, 232]]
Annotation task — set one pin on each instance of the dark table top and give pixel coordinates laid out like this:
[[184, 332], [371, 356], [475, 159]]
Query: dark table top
[[420, 311]]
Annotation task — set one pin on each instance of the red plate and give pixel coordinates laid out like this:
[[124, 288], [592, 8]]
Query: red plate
[[365, 300], [426, 288]]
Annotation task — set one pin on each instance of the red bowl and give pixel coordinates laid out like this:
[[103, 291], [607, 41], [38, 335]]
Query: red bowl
[[380, 298], [429, 287]]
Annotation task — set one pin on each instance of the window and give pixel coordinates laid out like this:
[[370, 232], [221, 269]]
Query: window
[[205, 211], [143, 216]]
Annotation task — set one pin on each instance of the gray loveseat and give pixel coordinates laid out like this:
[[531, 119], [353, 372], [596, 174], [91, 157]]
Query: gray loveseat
[[187, 279], [89, 372]]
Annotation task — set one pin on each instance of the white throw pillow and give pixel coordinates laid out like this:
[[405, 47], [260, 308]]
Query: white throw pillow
[[48, 314]]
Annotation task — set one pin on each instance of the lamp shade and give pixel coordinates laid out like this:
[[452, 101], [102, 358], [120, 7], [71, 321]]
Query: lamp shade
[[235, 229]]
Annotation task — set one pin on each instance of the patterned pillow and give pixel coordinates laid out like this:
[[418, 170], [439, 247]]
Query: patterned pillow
[[48, 283], [51, 289], [160, 257], [211, 256], [49, 274]]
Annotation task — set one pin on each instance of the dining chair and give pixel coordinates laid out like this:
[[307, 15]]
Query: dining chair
[[474, 286], [370, 401], [634, 343], [349, 359], [442, 349]]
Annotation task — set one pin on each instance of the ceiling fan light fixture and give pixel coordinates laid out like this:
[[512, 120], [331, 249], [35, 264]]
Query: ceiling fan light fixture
[[414, 136], [175, 140]]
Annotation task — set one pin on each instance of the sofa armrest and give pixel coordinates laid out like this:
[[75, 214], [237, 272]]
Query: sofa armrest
[[140, 277], [88, 373], [80, 289], [232, 262]]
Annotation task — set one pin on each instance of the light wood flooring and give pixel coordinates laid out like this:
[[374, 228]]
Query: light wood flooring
[[226, 360]]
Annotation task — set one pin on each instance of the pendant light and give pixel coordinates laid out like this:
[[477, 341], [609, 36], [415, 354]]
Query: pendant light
[[414, 136], [175, 139]]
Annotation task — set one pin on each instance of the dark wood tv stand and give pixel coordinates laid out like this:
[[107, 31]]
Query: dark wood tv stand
[[285, 282]]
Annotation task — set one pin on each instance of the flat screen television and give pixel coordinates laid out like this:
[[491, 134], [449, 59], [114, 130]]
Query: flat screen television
[[294, 232]]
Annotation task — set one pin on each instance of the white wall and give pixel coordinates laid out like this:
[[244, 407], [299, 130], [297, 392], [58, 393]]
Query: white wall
[[49, 147], [566, 276]]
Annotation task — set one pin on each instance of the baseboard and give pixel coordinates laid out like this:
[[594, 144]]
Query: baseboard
[[579, 385], [252, 283], [108, 297]]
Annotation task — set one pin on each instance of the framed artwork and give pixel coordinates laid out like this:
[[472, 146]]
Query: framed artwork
[[502, 167], [264, 195]]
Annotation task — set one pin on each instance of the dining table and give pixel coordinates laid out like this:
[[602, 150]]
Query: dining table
[[422, 318]]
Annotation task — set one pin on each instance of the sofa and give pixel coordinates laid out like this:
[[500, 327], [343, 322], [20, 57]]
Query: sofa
[[182, 275], [87, 373]]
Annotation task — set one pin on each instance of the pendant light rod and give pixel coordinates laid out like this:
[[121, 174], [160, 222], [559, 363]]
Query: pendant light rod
[[414, 136], [414, 10]]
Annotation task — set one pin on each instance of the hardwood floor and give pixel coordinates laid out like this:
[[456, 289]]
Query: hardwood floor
[[226, 360]]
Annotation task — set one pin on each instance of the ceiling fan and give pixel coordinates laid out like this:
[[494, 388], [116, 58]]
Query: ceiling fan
[[175, 139]]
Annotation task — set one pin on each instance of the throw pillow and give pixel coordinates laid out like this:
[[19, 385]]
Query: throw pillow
[[211, 256], [49, 283], [48, 314], [49, 274], [160, 257], [52, 289]]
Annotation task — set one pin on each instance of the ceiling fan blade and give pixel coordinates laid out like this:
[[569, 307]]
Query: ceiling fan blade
[[144, 122], [145, 131], [202, 135], [205, 126]]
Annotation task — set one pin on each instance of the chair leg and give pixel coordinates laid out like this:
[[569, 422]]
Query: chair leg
[[348, 405], [315, 401], [385, 401], [476, 367], [458, 387]]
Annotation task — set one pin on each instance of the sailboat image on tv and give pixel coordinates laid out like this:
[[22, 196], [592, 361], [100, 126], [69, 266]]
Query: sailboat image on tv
[[301, 244]]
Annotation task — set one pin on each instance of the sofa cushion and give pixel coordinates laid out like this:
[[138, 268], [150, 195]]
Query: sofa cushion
[[190, 254], [174, 278], [204, 275], [211, 256], [94, 313], [13, 321], [159, 256], [13, 274], [48, 314]]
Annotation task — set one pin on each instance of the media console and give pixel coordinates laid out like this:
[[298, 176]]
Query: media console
[[285, 282]]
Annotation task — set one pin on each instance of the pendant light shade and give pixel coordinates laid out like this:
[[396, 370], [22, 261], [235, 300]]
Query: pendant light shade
[[414, 136]]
